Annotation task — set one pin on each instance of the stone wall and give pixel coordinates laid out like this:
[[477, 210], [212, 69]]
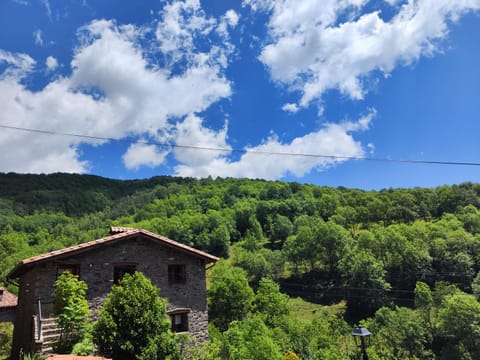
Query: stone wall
[[22, 331], [7, 314]]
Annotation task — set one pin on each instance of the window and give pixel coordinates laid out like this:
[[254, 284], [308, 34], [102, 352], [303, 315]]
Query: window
[[73, 268], [179, 320], [122, 269], [177, 274]]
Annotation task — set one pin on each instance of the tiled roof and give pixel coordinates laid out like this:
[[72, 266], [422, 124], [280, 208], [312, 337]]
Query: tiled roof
[[8, 299], [119, 236], [119, 229]]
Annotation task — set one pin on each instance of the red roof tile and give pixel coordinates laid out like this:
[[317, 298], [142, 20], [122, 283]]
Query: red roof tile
[[128, 233], [8, 299], [119, 229]]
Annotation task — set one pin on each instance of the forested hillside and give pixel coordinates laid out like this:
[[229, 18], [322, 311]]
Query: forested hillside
[[414, 248]]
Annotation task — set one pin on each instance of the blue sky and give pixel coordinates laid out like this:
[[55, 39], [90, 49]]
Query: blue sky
[[234, 88]]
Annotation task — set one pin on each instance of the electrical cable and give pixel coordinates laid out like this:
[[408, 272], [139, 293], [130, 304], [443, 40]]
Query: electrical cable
[[245, 151]]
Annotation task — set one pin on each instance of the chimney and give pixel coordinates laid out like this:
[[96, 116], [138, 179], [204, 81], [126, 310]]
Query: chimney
[[1, 294]]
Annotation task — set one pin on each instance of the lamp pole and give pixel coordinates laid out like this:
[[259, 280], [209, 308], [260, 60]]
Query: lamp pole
[[363, 335]]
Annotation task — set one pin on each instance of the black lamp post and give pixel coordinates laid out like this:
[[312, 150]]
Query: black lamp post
[[361, 336]]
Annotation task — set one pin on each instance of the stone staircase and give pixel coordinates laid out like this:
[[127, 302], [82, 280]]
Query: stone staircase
[[50, 335]]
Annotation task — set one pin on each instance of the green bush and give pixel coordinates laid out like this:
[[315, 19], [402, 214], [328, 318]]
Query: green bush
[[72, 310], [84, 347], [6, 333]]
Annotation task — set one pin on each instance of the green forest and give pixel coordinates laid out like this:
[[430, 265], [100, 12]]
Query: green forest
[[301, 264]]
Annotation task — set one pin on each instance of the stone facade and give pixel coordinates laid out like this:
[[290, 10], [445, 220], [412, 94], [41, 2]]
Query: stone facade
[[96, 265], [7, 315]]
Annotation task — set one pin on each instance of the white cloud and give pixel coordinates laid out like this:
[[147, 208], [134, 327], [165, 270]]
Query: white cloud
[[393, 2], [334, 141], [48, 8], [37, 36], [117, 88], [183, 29], [17, 65], [371, 148], [51, 63], [181, 23], [232, 17], [113, 91], [191, 131], [37, 153], [141, 154], [335, 46], [290, 107]]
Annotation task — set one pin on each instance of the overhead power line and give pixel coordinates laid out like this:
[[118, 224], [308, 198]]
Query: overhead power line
[[259, 152]]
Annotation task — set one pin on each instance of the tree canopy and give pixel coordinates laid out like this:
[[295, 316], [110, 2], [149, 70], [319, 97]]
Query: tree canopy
[[370, 250]]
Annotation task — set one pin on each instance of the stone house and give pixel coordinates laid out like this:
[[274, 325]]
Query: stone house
[[8, 304], [178, 270]]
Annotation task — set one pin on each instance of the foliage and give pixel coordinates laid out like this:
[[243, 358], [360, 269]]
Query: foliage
[[31, 357], [210, 350], [84, 347], [270, 302], [365, 277], [400, 334], [132, 322], [72, 310], [370, 248], [6, 333], [250, 339], [230, 297], [459, 324], [476, 286], [444, 325]]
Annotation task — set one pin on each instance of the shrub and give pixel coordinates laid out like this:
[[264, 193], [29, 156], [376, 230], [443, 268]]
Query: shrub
[[72, 310], [6, 333], [133, 323]]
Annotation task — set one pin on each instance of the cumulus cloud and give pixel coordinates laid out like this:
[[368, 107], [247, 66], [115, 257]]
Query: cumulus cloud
[[332, 144], [113, 91], [17, 66], [192, 131], [51, 63], [232, 17], [290, 107], [182, 23], [142, 154], [337, 45], [154, 82]]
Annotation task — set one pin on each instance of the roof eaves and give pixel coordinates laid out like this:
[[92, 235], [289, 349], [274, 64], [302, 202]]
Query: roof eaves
[[8, 300], [24, 264]]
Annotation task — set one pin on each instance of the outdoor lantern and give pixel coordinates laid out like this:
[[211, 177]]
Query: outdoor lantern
[[361, 336]]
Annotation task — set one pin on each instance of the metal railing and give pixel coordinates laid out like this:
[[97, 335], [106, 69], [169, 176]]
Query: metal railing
[[39, 319], [44, 309]]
